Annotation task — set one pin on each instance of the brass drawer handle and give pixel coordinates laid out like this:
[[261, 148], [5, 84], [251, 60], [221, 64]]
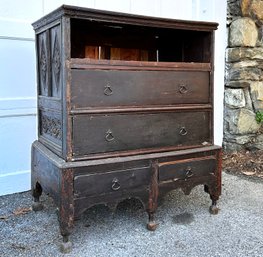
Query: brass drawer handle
[[109, 136], [183, 131], [183, 89], [108, 90], [189, 173], [115, 184]]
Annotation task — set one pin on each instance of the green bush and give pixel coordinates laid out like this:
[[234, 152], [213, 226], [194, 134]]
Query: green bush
[[259, 117]]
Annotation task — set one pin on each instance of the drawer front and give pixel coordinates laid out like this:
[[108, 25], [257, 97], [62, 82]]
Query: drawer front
[[107, 88], [110, 182], [186, 169], [122, 132]]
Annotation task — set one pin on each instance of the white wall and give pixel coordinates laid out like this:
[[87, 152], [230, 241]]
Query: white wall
[[17, 92], [18, 76]]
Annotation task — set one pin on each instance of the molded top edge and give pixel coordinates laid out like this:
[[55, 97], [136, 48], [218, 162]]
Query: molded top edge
[[123, 18]]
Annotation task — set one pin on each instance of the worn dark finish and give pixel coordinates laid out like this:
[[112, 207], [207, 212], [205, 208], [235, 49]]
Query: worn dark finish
[[94, 64], [102, 88], [186, 169], [125, 110], [111, 182], [119, 132], [153, 196]]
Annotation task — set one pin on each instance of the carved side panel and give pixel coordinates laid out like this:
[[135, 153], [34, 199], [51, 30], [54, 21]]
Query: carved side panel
[[56, 67], [49, 62], [50, 127], [43, 63]]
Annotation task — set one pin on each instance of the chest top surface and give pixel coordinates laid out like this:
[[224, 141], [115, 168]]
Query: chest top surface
[[124, 18]]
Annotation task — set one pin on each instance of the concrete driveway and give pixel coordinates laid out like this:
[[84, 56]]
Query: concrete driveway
[[186, 228]]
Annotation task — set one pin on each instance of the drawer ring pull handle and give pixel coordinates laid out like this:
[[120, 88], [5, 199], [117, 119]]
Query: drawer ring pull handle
[[183, 131], [109, 136], [183, 89], [189, 173], [108, 90], [115, 184]]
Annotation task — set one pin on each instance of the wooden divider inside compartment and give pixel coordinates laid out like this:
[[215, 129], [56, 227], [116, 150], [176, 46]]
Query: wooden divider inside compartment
[[113, 53]]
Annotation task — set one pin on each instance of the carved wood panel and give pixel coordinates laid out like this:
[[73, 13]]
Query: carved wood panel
[[43, 64], [51, 126], [55, 40], [49, 62]]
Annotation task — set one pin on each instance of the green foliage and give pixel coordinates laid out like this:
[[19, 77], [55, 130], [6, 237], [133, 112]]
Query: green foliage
[[259, 117]]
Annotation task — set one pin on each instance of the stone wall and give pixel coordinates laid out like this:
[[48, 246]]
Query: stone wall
[[244, 75]]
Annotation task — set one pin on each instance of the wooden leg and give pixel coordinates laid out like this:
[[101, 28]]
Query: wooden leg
[[66, 225], [36, 193], [153, 197], [66, 245], [213, 209], [151, 225], [66, 210], [214, 196], [215, 189]]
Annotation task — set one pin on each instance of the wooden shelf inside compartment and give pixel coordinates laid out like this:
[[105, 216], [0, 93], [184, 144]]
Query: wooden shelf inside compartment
[[87, 63]]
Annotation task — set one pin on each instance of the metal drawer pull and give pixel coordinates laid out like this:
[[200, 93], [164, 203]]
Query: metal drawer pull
[[189, 173], [183, 131], [109, 136], [115, 184], [108, 91], [183, 89]]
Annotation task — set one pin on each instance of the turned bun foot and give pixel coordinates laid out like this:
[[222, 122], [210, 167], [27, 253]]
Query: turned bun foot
[[213, 209], [66, 247], [37, 206], [152, 226]]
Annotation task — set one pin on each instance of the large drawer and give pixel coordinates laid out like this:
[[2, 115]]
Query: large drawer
[[108, 88], [122, 132], [110, 182], [186, 169]]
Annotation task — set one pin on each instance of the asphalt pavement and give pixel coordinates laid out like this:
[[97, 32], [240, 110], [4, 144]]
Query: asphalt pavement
[[186, 228]]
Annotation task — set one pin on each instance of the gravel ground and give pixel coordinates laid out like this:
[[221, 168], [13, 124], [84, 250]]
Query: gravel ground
[[186, 227]]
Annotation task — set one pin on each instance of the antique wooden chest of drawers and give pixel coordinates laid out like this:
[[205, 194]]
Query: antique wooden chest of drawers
[[125, 110]]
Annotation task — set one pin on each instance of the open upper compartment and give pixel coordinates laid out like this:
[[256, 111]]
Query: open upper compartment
[[113, 41], [104, 35]]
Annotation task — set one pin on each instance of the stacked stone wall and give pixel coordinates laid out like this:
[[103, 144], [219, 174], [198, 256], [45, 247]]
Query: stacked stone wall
[[244, 75]]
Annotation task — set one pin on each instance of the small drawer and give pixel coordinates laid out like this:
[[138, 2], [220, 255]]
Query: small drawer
[[110, 88], [187, 169], [110, 182]]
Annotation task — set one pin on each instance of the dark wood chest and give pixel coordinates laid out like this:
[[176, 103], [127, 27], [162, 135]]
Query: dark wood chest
[[125, 110]]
